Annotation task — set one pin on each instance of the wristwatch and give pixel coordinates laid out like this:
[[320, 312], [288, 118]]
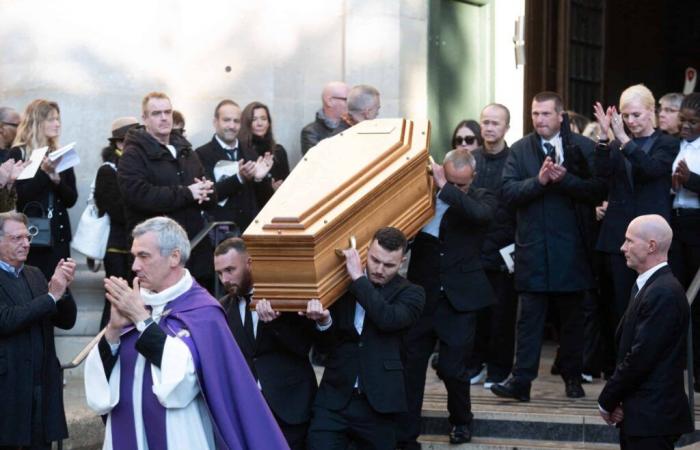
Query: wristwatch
[[143, 324]]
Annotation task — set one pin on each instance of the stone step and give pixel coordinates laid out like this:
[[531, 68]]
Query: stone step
[[438, 442]]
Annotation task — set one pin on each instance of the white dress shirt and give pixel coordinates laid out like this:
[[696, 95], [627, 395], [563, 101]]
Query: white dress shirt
[[690, 151], [558, 148]]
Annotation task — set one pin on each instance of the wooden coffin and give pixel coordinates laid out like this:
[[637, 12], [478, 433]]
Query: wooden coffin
[[375, 174]]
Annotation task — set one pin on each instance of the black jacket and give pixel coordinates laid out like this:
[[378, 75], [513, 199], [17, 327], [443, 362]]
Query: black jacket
[[651, 357], [375, 355], [315, 132], [108, 199], [647, 193], [153, 183], [16, 377], [550, 238], [453, 261], [242, 205], [279, 360], [501, 231], [279, 170]]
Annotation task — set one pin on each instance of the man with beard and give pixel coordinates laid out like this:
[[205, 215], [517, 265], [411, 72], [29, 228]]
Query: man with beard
[[275, 345], [160, 175], [167, 371], [237, 192]]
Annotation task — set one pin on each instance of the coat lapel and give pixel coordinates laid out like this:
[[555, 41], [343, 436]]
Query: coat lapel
[[630, 312]]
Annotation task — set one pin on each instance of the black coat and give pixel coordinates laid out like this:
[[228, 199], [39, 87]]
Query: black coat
[[651, 357], [65, 194], [453, 261], [16, 376], [375, 355], [153, 183], [279, 360], [279, 170], [647, 193], [242, 205], [315, 132], [108, 199], [550, 239]]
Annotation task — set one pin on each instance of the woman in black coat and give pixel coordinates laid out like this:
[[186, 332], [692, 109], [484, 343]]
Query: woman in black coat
[[48, 193], [108, 199], [256, 134]]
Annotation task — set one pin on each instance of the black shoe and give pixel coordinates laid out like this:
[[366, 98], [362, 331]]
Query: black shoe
[[460, 434], [554, 370], [512, 389], [573, 388]]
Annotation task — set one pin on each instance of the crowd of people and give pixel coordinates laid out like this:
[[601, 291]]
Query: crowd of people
[[603, 217]]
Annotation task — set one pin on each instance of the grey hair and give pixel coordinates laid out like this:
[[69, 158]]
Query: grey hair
[[459, 158], [674, 98], [14, 216], [171, 236], [361, 97]]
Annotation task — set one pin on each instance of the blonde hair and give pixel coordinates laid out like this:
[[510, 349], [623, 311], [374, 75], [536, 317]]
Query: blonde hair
[[30, 133], [640, 93], [149, 96]]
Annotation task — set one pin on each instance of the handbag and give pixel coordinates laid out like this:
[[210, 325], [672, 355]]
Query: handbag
[[39, 227], [92, 234]]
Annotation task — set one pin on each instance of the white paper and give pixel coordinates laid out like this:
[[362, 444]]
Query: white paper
[[69, 158], [34, 163], [225, 169], [508, 254]]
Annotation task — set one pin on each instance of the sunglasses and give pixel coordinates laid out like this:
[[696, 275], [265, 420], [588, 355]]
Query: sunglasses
[[468, 140]]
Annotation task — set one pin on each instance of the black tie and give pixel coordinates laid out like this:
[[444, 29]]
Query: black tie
[[551, 152], [248, 323], [232, 153], [635, 291]]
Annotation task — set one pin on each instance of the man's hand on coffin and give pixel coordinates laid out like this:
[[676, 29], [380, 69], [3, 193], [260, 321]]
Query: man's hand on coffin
[[126, 299], [263, 166], [265, 312], [246, 169], [353, 263], [439, 175], [316, 312]]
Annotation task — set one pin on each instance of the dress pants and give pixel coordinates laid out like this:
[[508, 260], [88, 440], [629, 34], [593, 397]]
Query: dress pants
[[455, 332], [294, 434], [647, 442], [501, 343], [530, 327], [357, 422]]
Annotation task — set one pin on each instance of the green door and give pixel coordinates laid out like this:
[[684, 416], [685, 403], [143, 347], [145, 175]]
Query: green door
[[460, 65]]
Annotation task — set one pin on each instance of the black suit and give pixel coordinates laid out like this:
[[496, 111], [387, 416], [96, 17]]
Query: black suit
[[639, 182], [31, 387], [278, 357], [372, 358], [551, 256], [450, 270], [648, 380], [242, 202]]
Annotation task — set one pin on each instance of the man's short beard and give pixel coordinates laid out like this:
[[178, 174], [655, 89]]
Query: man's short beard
[[243, 288]]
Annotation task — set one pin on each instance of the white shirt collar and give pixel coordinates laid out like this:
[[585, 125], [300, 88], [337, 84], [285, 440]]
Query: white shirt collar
[[224, 145], [155, 299], [644, 277]]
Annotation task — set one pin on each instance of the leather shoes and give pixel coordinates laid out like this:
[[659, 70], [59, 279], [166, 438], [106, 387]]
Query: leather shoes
[[460, 434], [512, 389], [573, 388]]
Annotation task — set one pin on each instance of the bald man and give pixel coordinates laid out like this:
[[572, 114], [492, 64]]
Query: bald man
[[335, 103], [645, 395]]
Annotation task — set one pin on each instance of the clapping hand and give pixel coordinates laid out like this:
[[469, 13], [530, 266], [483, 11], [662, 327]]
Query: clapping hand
[[10, 170], [62, 277], [550, 172], [681, 175], [246, 169], [201, 189], [618, 128], [263, 166]]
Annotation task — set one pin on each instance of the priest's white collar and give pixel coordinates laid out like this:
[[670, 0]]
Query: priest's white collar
[[151, 298]]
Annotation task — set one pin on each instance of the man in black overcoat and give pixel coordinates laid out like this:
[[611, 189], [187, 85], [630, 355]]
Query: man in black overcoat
[[31, 387], [645, 395], [549, 184], [275, 345]]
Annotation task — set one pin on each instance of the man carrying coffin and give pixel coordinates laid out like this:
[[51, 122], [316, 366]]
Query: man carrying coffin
[[167, 372], [275, 345]]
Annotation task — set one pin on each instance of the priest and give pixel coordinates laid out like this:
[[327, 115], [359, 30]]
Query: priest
[[167, 372]]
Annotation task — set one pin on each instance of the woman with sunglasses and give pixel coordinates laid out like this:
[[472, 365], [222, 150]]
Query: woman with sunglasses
[[48, 193], [467, 135], [256, 134]]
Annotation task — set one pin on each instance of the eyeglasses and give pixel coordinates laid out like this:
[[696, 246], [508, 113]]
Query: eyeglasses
[[668, 110], [468, 140], [10, 124], [345, 99]]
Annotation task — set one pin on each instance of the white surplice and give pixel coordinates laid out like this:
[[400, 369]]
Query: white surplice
[[188, 425]]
